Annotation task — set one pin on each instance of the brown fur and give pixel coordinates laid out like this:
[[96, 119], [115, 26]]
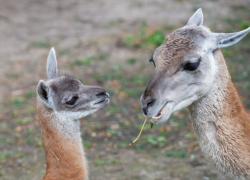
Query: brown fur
[[64, 157], [176, 43], [233, 130]]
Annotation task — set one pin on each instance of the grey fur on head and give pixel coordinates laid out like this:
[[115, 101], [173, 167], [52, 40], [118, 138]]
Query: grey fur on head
[[67, 96]]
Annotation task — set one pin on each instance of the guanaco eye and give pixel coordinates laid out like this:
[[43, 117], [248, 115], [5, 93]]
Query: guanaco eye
[[152, 60], [191, 66], [72, 101]]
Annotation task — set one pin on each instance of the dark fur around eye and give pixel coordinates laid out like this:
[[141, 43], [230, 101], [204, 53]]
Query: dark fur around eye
[[191, 66], [152, 60], [72, 101]]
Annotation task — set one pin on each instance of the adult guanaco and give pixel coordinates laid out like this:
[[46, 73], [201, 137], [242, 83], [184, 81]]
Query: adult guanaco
[[190, 71]]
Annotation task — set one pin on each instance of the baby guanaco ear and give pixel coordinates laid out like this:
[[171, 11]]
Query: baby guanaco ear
[[197, 18], [43, 93], [228, 39], [52, 71]]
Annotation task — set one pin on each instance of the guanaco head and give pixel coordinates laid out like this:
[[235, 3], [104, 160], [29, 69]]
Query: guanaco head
[[185, 68], [68, 96]]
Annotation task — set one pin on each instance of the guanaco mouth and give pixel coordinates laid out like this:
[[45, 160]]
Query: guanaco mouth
[[159, 115], [101, 101], [104, 100]]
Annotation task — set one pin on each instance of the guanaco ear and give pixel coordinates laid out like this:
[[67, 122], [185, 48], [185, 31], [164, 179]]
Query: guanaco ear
[[197, 18], [228, 39], [52, 71], [43, 93]]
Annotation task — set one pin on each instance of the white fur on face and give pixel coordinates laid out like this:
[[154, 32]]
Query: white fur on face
[[72, 116], [185, 98]]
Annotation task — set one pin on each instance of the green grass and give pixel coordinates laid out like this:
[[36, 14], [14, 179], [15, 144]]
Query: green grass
[[111, 131], [2, 140], [123, 144], [31, 110], [29, 94], [139, 116], [100, 162], [86, 144], [155, 140], [180, 122], [181, 153], [6, 154], [131, 61], [115, 109], [195, 8], [23, 120], [139, 80], [170, 153], [240, 7], [106, 162], [20, 155], [86, 61], [156, 38], [39, 143], [4, 126], [111, 92], [30, 139], [18, 102], [82, 61], [188, 135], [95, 126], [30, 131], [133, 92], [108, 76], [62, 52], [102, 57], [12, 75], [143, 40], [41, 44]]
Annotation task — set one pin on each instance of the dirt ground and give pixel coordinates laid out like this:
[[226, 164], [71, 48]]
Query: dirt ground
[[106, 43]]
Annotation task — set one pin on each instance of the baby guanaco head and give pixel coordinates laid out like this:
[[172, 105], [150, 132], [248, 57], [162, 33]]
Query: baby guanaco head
[[68, 96]]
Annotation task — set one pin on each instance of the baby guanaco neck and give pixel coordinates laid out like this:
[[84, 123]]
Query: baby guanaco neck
[[65, 158], [222, 125]]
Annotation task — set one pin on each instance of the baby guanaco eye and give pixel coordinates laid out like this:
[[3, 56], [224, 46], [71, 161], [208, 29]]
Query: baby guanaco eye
[[152, 60], [191, 66], [72, 101]]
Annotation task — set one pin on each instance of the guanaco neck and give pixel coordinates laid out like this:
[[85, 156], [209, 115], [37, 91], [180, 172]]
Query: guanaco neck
[[222, 125], [65, 158]]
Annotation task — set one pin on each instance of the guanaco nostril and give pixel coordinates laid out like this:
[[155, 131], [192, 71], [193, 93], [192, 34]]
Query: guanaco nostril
[[150, 103], [144, 110], [102, 93]]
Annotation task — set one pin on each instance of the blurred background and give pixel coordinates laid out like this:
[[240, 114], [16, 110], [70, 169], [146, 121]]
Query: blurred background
[[106, 43]]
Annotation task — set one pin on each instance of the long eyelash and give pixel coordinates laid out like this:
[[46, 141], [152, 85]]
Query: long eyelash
[[152, 60]]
